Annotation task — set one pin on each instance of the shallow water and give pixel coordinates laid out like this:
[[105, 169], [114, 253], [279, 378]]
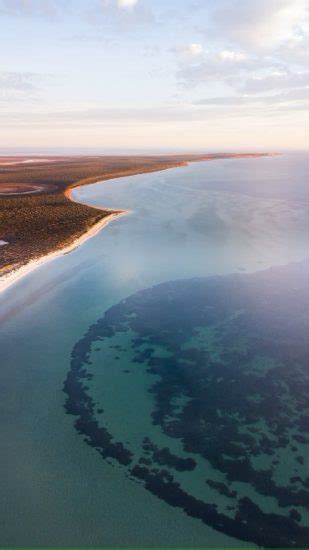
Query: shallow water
[[208, 219]]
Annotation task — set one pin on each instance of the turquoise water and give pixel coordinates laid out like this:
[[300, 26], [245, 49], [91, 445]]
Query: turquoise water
[[184, 372]]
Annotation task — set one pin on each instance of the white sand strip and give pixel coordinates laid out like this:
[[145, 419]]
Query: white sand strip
[[8, 280]]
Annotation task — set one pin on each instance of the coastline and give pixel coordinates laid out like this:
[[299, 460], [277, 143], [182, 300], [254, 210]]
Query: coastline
[[6, 281], [9, 279]]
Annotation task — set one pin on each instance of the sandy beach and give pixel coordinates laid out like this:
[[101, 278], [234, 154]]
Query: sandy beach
[[48, 190], [6, 281]]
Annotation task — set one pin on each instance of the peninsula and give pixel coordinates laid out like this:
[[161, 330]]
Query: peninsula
[[37, 218]]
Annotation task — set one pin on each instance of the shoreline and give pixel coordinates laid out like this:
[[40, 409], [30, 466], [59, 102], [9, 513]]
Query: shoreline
[[9, 279], [6, 281]]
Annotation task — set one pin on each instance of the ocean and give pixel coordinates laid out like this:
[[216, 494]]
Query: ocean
[[154, 381]]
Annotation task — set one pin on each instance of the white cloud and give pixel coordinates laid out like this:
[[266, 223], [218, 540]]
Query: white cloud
[[195, 49], [23, 86], [189, 52], [217, 66], [276, 81], [296, 50], [126, 4], [120, 117], [286, 100], [260, 23], [29, 8], [19, 86], [118, 16], [232, 56], [22, 82]]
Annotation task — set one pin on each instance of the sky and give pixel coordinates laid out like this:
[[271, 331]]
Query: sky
[[135, 75]]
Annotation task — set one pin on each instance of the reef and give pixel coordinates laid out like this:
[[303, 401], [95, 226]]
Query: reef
[[227, 364]]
